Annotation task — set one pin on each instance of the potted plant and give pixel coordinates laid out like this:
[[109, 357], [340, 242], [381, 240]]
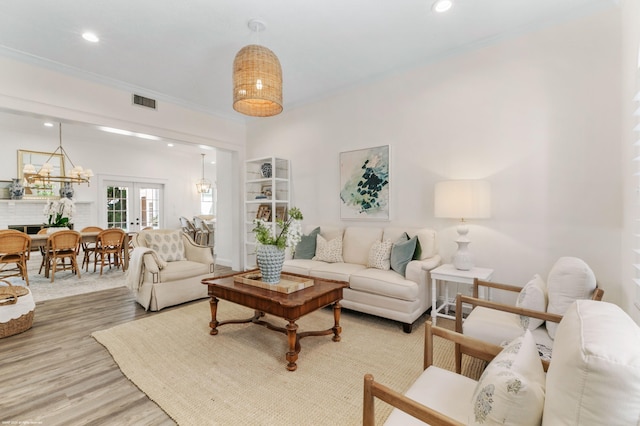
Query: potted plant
[[271, 245], [59, 213]]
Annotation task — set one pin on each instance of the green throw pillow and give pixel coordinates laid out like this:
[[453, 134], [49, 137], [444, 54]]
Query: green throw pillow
[[306, 248], [402, 253]]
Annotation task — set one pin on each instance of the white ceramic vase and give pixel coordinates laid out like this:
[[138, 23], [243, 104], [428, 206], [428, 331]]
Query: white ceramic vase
[[270, 260]]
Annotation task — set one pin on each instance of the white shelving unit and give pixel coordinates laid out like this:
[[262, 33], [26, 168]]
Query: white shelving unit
[[277, 190]]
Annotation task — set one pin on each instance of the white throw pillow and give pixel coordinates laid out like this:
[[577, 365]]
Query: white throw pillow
[[169, 246], [594, 377], [380, 255], [328, 251], [570, 279], [511, 388], [533, 296]]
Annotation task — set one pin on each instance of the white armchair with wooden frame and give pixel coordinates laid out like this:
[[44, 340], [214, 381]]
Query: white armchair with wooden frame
[[570, 279]]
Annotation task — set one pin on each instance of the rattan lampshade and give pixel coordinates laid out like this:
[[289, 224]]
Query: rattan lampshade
[[257, 82]]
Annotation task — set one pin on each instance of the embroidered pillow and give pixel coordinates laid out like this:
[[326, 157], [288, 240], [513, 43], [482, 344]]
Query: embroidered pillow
[[402, 253], [511, 389], [328, 251], [533, 296], [169, 246], [306, 248], [379, 255]]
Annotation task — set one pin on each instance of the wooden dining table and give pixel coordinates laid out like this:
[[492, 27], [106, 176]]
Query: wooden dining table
[[40, 240]]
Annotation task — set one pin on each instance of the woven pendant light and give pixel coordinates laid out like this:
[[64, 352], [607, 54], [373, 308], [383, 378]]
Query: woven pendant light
[[257, 79]]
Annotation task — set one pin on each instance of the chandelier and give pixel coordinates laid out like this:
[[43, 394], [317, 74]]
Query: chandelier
[[45, 175], [203, 185], [257, 79]]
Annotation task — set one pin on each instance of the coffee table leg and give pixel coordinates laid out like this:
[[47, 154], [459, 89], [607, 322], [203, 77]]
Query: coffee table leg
[[292, 355], [213, 303], [336, 318]]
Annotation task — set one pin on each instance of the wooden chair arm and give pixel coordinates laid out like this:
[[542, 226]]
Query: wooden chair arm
[[373, 389], [489, 284], [546, 316]]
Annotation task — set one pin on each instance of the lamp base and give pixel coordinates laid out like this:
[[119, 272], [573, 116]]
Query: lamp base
[[463, 258]]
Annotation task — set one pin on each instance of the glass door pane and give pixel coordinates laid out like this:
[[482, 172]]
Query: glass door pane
[[133, 205]]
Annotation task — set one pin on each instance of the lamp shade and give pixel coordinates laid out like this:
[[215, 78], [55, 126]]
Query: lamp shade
[[463, 199], [257, 82]]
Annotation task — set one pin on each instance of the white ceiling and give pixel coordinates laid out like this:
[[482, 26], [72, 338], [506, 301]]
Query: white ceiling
[[182, 51]]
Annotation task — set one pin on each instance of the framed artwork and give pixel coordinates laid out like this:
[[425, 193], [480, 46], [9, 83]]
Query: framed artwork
[[264, 212], [281, 213], [364, 184], [5, 194], [267, 191]]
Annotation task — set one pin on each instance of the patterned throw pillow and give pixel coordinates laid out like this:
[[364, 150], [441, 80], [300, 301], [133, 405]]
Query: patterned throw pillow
[[511, 389], [533, 296], [379, 255], [328, 251], [169, 246]]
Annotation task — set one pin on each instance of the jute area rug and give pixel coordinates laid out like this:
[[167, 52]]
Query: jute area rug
[[239, 376]]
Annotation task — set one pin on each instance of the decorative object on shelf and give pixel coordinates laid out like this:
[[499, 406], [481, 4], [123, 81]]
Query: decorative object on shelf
[[267, 190], [463, 199], [364, 183], [270, 250], [66, 190], [16, 189], [257, 79], [47, 172], [266, 170], [203, 184], [59, 212]]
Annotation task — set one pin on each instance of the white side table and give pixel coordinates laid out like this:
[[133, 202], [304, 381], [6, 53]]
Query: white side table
[[448, 273]]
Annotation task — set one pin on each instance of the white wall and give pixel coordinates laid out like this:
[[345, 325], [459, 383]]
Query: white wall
[[537, 116], [630, 15]]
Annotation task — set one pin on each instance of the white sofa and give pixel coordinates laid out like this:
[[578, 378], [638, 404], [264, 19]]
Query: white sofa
[[384, 293], [166, 268], [593, 378]]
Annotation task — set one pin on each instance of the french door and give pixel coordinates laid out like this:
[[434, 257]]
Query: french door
[[132, 206]]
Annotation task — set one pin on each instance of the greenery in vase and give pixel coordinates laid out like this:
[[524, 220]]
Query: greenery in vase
[[290, 230], [59, 212]]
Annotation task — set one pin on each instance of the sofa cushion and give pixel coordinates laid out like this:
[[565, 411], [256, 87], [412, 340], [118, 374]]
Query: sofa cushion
[[569, 279], [511, 388], [328, 251], [427, 242], [379, 255], [533, 296], [306, 248], [184, 269], [168, 245], [339, 271], [356, 243], [594, 378], [385, 283], [402, 253], [300, 266], [494, 327]]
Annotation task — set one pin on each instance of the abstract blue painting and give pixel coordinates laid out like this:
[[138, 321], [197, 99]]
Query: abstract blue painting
[[364, 183]]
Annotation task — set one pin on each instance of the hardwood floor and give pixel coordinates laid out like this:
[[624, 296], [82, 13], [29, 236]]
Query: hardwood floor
[[56, 374]]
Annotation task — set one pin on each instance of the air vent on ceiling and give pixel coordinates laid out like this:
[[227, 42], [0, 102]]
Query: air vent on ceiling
[[145, 102]]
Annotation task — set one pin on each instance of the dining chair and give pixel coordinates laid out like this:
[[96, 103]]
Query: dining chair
[[204, 233], [62, 245], [189, 228], [109, 242], [15, 249], [88, 248]]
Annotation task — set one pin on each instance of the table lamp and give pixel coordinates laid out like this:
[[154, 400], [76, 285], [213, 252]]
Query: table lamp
[[463, 199]]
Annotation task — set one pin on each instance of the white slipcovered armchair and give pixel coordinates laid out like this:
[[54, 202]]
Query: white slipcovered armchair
[[166, 268]]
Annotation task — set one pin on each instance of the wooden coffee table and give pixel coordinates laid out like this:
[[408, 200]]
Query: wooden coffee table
[[291, 307]]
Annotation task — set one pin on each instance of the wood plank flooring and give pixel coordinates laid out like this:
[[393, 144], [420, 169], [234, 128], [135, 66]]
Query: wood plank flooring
[[56, 374]]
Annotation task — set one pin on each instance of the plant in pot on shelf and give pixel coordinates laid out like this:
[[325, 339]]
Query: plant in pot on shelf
[[271, 247], [59, 213]]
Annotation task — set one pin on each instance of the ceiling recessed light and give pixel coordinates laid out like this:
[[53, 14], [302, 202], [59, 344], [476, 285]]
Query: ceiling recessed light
[[170, 145], [47, 124], [441, 6], [208, 148], [89, 36]]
